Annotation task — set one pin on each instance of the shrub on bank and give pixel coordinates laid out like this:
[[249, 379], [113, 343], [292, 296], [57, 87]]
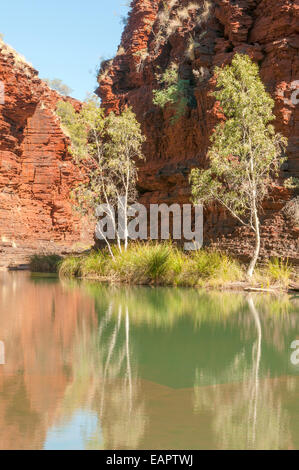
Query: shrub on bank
[[70, 266], [92, 264], [279, 271], [45, 263], [212, 266], [152, 263]]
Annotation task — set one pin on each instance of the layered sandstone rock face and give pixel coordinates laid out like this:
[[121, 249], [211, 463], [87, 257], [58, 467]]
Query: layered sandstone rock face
[[197, 36], [36, 170]]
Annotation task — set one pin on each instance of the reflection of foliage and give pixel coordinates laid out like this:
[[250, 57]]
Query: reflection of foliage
[[254, 418], [237, 371], [279, 316], [279, 305], [232, 422], [106, 363], [103, 381], [114, 369], [164, 305]]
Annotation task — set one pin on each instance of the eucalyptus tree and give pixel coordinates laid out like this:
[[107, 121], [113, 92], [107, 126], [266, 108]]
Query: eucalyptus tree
[[246, 153], [58, 85], [105, 149]]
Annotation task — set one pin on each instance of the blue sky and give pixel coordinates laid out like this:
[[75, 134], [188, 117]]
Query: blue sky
[[64, 39]]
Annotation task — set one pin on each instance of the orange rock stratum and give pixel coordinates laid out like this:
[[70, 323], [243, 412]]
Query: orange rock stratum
[[36, 170]]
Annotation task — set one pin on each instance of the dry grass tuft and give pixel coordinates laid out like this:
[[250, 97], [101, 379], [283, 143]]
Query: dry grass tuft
[[20, 62]]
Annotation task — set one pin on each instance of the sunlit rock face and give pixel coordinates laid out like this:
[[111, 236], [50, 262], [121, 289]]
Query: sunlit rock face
[[159, 33], [36, 170]]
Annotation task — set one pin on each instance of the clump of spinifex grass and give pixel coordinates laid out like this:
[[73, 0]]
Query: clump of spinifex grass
[[146, 263], [93, 264], [139, 264], [156, 264], [214, 267], [71, 266], [45, 263], [163, 264], [279, 271]]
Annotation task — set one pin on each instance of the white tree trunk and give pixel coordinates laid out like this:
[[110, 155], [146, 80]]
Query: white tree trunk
[[108, 244], [257, 245], [126, 209]]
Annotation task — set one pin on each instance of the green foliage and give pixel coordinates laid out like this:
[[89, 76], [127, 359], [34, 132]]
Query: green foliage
[[170, 80], [58, 85], [212, 264], [105, 150], [157, 264], [45, 263], [246, 153], [209, 267], [93, 264], [154, 261], [142, 263], [124, 144], [70, 267], [162, 264], [84, 128], [292, 183], [245, 149], [175, 91]]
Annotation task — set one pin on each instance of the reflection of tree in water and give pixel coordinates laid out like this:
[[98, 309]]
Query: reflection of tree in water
[[106, 382], [121, 410], [164, 306], [251, 414], [68, 352], [248, 414], [244, 415], [278, 316]]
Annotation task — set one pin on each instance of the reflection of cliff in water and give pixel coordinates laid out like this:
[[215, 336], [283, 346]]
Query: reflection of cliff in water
[[38, 323]]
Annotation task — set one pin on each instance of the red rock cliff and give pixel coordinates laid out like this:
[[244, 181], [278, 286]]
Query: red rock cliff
[[197, 36], [36, 171]]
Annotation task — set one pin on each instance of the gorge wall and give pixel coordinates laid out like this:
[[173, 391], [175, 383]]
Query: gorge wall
[[197, 36], [36, 170]]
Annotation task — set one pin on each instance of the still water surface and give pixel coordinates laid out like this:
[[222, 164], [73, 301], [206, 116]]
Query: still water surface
[[89, 366]]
